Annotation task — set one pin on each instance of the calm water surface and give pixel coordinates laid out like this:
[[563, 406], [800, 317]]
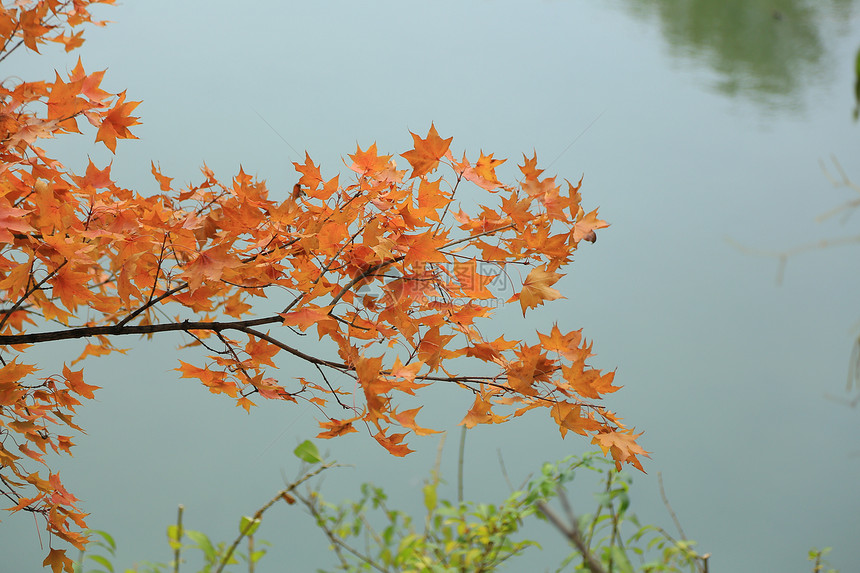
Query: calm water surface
[[708, 122]]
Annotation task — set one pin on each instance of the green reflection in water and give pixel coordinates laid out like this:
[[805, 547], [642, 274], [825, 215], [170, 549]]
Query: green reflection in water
[[768, 51]]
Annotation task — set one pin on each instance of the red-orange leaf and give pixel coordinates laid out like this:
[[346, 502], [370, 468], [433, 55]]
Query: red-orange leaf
[[393, 443], [308, 316], [209, 265], [483, 174], [585, 226], [566, 345], [368, 162], [481, 412], [311, 177], [337, 427], [75, 381], [622, 445], [58, 561], [427, 152], [537, 288], [12, 220], [163, 182], [406, 419], [117, 121]]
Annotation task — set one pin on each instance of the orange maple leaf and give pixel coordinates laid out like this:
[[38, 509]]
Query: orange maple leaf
[[75, 381], [368, 163], [10, 389], [566, 345], [623, 447], [308, 316], [424, 248], [586, 225], [431, 349], [71, 287], [163, 182], [406, 419], [32, 28], [431, 198], [393, 443], [12, 220], [569, 417], [337, 427], [101, 349], [58, 561], [483, 174], [245, 402], [537, 288], [529, 167], [311, 177], [473, 284], [587, 382], [116, 123], [64, 103], [260, 351], [427, 152], [481, 412], [209, 265], [89, 83]]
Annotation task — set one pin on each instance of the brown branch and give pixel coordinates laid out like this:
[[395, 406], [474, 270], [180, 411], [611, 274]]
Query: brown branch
[[283, 494], [669, 507], [117, 330], [151, 302], [336, 542], [246, 328], [33, 289], [574, 535], [470, 237]]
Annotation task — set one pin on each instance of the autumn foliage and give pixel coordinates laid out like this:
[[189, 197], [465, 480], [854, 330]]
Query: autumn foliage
[[383, 264]]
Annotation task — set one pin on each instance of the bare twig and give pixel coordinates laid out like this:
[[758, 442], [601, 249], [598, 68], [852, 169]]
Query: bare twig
[[669, 507], [283, 494], [178, 537], [336, 542], [460, 464], [574, 535]]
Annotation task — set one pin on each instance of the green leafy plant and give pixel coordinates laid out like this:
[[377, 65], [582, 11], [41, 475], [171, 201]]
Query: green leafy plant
[[819, 563], [453, 536], [104, 557]]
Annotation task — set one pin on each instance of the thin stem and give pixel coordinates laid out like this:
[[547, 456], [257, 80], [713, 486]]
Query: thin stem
[[179, 534], [283, 494], [574, 535], [30, 291], [460, 463], [669, 507]]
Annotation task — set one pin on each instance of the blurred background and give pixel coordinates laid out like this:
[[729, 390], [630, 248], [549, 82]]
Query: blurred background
[[700, 128]]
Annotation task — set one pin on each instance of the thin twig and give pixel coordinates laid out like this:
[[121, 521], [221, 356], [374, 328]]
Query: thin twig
[[283, 494], [581, 133], [574, 535], [178, 539], [460, 464], [30, 291], [669, 507]]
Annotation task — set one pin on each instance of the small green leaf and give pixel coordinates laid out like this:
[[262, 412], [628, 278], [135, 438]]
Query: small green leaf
[[307, 451], [173, 535], [248, 525], [619, 558], [430, 498], [101, 561], [107, 537], [202, 542]]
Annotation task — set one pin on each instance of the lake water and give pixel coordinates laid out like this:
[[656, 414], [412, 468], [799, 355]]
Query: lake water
[[700, 129]]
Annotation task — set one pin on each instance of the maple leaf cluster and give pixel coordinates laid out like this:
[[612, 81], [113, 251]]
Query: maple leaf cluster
[[84, 258]]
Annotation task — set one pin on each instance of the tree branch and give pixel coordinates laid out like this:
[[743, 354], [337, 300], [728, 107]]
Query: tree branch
[[117, 330]]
